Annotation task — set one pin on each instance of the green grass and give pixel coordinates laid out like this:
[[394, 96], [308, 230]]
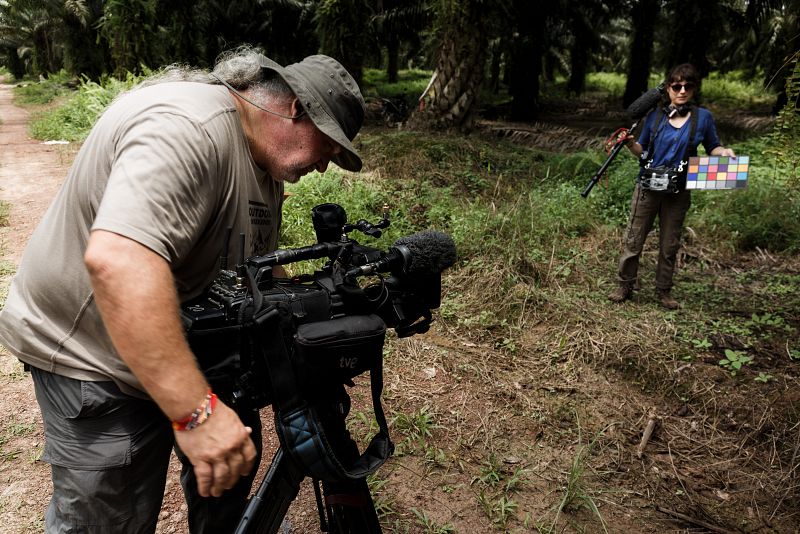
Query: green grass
[[43, 92], [738, 89], [74, 119], [5, 209], [409, 86], [735, 89]]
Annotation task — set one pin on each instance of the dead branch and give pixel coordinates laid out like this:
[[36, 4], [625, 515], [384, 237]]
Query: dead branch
[[648, 431]]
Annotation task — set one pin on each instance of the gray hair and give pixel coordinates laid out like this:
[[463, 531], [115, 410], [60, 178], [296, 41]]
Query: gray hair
[[240, 68]]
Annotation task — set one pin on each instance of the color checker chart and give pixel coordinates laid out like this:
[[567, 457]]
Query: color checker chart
[[717, 172]]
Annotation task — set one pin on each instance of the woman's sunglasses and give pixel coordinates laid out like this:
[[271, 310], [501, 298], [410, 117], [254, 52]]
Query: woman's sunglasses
[[676, 87]]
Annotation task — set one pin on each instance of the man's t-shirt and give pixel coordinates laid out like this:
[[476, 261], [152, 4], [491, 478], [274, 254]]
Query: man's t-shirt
[[166, 165]]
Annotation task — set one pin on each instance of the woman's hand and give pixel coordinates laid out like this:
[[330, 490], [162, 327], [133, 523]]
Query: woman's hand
[[722, 151]]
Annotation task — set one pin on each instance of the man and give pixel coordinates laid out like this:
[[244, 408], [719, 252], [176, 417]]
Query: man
[[136, 229]]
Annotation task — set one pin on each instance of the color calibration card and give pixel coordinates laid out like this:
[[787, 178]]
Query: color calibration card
[[717, 172]]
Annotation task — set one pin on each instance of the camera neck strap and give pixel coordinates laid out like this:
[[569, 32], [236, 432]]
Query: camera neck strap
[[299, 424]]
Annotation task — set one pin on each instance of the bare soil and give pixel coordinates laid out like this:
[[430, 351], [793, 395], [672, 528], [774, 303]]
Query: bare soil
[[496, 438]]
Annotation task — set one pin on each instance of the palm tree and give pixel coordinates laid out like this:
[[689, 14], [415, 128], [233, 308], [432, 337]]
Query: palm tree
[[525, 52], [31, 24], [398, 21], [448, 101], [344, 31], [643, 14]]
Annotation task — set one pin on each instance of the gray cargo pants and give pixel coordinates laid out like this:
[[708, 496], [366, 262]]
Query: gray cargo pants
[[671, 209], [109, 454]]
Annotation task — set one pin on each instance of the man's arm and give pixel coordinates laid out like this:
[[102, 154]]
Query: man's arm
[[136, 296]]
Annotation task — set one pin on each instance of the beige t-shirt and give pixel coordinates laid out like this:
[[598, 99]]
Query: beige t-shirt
[[167, 166]]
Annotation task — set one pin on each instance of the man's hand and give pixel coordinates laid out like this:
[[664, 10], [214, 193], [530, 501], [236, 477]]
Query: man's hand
[[220, 450]]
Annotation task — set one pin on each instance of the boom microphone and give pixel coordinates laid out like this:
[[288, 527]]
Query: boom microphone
[[426, 252], [642, 105]]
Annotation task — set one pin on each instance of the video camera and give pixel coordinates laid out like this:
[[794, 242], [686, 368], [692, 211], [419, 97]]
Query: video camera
[[332, 305]]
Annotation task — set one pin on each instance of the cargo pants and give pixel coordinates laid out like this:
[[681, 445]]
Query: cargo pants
[[671, 209], [109, 453]]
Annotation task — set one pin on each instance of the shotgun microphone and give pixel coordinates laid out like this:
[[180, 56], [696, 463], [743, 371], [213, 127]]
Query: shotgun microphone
[[642, 105]]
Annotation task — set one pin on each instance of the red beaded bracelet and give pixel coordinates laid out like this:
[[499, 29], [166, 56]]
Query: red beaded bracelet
[[199, 416]]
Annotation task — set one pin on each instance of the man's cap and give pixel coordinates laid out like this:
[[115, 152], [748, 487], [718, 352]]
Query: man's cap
[[331, 98]]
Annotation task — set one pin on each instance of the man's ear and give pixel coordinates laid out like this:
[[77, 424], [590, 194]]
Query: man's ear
[[297, 109]]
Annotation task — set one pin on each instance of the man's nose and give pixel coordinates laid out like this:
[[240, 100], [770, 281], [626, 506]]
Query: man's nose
[[322, 165]]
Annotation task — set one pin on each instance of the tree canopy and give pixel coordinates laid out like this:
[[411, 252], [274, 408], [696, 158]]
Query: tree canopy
[[471, 45]]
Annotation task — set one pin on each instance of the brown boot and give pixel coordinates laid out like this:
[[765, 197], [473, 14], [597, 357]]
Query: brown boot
[[621, 294], [666, 299]]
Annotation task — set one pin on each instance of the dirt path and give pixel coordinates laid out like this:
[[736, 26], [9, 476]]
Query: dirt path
[[31, 173]]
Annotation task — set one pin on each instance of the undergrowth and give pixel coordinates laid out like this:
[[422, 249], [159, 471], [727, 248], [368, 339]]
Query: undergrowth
[[45, 91]]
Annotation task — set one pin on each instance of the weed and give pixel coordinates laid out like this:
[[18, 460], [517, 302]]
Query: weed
[[763, 377], [417, 427], [43, 92], [20, 429], [491, 473], [701, 344], [5, 209], [576, 494], [385, 504], [430, 526], [435, 456], [503, 510], [734, 360], [73, 120], [515, 481]]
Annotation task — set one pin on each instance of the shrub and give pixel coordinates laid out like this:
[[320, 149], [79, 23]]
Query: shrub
[[45, 91], [73, 120]]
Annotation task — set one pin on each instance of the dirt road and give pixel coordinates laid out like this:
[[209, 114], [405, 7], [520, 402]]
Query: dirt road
[[30, 174]]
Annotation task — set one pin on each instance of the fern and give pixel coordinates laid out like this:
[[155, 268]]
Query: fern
[[782, 143]]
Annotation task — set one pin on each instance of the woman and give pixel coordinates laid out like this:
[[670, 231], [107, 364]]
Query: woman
[[669, 137]]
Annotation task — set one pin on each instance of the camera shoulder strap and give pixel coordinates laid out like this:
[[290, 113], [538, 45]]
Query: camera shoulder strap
[[298, 423]]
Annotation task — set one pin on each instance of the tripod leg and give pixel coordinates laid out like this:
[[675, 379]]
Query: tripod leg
[[348, 503], [350, 508], [268, 506]]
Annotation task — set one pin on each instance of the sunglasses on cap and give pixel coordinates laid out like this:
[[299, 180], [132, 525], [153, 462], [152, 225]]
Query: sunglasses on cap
[[676, 87]]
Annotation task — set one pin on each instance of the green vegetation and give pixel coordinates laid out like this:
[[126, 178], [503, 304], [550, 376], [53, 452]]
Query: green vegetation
[[73, 120], [4, 211], [734, 360], [411, 83], [43, 92]]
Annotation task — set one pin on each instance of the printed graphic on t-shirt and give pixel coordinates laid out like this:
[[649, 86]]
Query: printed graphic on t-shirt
[[260, 227]]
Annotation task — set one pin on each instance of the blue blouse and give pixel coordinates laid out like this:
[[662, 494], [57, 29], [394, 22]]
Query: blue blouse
[[670, 142]]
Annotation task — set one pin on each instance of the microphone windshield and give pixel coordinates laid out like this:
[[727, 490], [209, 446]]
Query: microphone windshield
[[431, 251], [642, 105]]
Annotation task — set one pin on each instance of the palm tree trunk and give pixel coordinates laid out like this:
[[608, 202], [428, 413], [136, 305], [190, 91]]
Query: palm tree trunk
[[450, 98], [643, 20]]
